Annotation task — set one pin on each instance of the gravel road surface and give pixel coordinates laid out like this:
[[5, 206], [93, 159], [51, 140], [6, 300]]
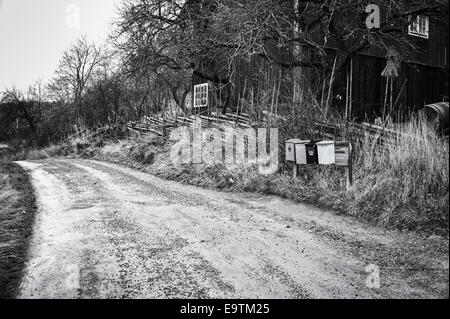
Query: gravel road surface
[[107, 231]]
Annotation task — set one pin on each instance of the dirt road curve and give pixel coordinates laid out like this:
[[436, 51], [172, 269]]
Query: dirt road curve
[[106, 231]]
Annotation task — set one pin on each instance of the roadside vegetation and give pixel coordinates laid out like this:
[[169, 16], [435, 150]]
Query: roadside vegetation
[[403, 184], [17, 210]]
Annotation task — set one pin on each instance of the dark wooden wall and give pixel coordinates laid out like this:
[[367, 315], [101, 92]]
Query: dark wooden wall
[[424, 77], [416, 86], [432, 51]]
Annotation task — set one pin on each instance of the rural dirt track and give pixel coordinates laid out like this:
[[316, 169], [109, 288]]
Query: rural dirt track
[[106, 231]]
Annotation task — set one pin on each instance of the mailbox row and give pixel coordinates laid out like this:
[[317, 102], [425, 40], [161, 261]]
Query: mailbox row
[[303, 152]]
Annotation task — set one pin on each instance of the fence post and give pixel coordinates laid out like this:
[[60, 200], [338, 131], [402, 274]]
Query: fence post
[[349, 169], [295, 170]]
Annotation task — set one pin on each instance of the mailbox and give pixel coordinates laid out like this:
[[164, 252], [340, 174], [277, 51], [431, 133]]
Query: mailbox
[[311, 153], [343, 153], [326, 153], [300, 152], [290, 149]]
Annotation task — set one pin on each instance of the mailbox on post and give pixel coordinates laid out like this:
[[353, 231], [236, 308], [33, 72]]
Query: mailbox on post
[[305, 152], [344, 157], [300, 152], [326, 153], [290, 149], [311, 154]]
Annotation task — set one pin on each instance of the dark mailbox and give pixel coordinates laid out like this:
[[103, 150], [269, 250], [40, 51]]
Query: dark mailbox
[[311, 153]]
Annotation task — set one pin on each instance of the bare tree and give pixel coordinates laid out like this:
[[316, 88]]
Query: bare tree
[[206, 36], [23, 108], [75, 70]]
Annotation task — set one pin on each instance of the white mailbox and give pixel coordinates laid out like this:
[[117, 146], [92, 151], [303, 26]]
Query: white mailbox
[[326, 153], [300, 152], [290, 149]]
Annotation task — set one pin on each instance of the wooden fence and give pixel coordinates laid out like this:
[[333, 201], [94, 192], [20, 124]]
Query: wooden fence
[[162, 126]]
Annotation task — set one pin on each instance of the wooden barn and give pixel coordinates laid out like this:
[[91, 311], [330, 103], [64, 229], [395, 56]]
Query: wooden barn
[[362, 91], [422, 80]]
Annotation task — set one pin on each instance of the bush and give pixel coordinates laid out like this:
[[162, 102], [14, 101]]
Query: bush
[[81, 146], [37, 155], [99, 142]]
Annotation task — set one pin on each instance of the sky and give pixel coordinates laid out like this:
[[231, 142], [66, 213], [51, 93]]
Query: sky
[[34, 33]]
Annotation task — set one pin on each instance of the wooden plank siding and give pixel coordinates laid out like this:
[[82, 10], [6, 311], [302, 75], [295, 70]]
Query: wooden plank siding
[[424, 85], [424, 77]]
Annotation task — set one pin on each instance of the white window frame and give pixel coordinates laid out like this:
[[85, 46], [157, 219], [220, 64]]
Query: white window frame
[[420, 27], [201, 95]]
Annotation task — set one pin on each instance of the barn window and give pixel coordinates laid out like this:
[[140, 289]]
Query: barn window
[[420, 27], [201, 95]]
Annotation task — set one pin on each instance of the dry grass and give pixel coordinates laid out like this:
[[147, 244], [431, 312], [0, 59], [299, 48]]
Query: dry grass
[[17, 207], [403, 185], [75, 146]]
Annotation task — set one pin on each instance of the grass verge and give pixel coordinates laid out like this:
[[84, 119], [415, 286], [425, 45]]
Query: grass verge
[[17, 211], [404, 185]]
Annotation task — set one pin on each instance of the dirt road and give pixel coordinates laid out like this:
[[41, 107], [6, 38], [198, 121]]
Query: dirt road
[[106, 231]]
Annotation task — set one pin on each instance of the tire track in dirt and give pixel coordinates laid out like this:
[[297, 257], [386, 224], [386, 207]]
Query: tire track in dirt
[[133, 235]]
